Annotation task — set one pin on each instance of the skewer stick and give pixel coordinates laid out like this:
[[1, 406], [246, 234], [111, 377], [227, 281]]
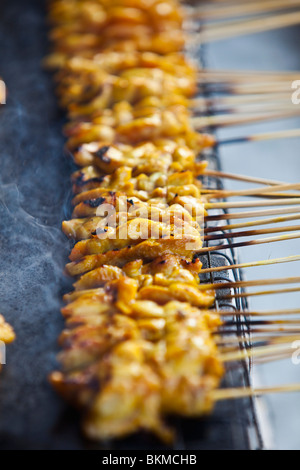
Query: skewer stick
[[245, 77], [200, 123], [227, 101], [249, 8], [250, 233], [251, 214], [244, 284], [239, 74], [260, 322], [246, 88], [258, 339], [235, 393], [288, 134], [260, 314], [222, 194], [254, 223], [275, 358], [288, 259], [260, 241], [257, 352], [261, 293], [279, 330], [247, 179], [242, 28], [248, 108], [250, 105], [240, 204]]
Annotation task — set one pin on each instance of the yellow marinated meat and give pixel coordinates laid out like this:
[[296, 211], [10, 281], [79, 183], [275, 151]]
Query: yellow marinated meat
[[139, 339]]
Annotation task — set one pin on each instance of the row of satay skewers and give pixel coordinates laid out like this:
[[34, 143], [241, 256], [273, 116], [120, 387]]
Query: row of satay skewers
[[141, 341]]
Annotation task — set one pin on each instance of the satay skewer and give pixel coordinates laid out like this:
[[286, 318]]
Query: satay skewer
[[200, 123], [288, 259], [251, 233], [236, 177], [260, 241], [260, 293], [255, 223], [240, 28], [251, 214], [211, 11], [241, 204], [277, 135], [262, 313], [244, 284], [225, 194], [236, 393], [257, 352]]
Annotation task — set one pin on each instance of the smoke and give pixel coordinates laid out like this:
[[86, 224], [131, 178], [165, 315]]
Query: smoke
[[34, 199]]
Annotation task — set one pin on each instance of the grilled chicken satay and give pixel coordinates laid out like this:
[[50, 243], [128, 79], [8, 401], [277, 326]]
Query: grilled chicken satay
[[81, 27], [174, 188], [93, 95], [138, 343], [147, 250], [166, 278], [166, 354], [114, 63], [180, 152], [156, 185], [134, 232], [88, 14], [159, 124], [90, 177]]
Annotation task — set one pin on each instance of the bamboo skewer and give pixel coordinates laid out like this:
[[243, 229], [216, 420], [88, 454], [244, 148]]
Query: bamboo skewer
[[222, 194], [257, 352], [271, 262], [235, 393], [250, 233], [244, 284], [260, 322], [247, 108], [251, 214], [250, 8], [244, 27], [200, 123], [260, 241], [244, 78], [254, 223], [287, 134], [275, 358], [247, 179], [261, 314], [245, 88], [261, 293], [235, 100], [241, 204], [283, 331], [257, 339], [239, 74]]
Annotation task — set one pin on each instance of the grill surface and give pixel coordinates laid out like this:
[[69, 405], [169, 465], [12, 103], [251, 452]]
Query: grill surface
[[34, 199]]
